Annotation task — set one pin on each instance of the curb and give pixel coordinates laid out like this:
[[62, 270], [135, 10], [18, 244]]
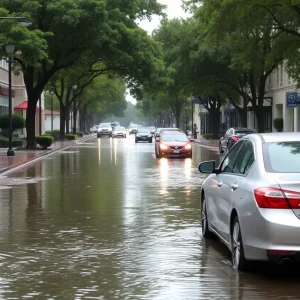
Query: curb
[[22, 165], [205, 145]]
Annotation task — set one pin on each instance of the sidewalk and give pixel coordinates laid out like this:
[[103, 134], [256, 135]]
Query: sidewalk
[[23, 157], [210, 143]]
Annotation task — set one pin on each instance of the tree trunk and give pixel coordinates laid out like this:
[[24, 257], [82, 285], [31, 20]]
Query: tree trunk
[[30, 121], [214, 118], [75, 110], [62, 121], [259, 113]]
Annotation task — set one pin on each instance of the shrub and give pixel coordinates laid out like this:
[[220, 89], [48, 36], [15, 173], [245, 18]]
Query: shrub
[[71, 137], [79, 133], [44, 141], [278, 124], [207, 136], [55, 134], [15, 134], [15, 142], [18, 122]]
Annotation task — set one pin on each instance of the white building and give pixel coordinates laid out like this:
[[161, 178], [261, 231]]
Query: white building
[[275, 105], [56, 120], [19, 95]]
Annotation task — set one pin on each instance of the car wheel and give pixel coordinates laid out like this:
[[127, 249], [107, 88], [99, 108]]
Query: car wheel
[[99, 136], [220, 148], [150, 141], [136, 140], [239, 261], [204, 220], [125, 136]]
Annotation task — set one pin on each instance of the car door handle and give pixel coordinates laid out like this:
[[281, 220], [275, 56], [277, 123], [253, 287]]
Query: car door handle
[[220, 183], [234, 186]]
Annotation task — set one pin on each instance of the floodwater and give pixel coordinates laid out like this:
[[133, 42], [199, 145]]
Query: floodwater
[[107, 220]]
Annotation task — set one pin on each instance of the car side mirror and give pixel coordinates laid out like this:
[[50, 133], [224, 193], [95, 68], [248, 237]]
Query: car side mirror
[[207, 167], [191, 140], [157, 140]]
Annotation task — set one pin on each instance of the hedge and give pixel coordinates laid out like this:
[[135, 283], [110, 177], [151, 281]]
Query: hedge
[[71, 137], [80, 133], [17, 122], [44, 141], [278, 124], [15, 142]]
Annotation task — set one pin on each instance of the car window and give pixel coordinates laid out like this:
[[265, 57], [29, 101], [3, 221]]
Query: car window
[[144, 130], [104, 125], [245, 159], [282, 157], [229, 160], [174, 137]]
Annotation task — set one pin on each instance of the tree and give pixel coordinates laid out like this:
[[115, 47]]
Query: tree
[[63, 30], [255, 47]]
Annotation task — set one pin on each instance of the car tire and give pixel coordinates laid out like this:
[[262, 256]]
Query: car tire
[[124, 136], [204, 220], [220, 148], [150, 141], [238, 259], [136, 140], [99, 136]]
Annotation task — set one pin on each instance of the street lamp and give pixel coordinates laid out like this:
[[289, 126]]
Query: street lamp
[[10, 49]]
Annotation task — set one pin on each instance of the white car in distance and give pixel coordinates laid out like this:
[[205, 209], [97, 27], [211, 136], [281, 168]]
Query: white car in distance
[[119, 132]]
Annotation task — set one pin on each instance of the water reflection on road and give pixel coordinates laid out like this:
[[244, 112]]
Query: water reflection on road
[[107, 220]]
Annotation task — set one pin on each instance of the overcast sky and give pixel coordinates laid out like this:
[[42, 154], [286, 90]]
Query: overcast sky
[[173, 10]]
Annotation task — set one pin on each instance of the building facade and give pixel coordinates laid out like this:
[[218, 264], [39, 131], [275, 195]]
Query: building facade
[[278, 85], [19, 97]]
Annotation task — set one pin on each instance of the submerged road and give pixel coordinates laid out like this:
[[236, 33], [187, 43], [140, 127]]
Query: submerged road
[[106, 220]]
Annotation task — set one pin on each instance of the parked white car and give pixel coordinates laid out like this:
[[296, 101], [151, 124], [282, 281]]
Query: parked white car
[[251, 202]]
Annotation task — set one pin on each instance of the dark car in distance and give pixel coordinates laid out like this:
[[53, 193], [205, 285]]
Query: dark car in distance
[[231, 136], [143, 134]]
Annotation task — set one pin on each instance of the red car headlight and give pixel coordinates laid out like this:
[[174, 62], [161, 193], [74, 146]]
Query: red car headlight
[[188, 147], [163, 147]]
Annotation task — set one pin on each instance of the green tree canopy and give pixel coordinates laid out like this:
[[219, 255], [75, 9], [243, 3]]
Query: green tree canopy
[[62, 31]]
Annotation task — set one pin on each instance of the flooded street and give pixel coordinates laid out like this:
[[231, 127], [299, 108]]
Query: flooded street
[[107, 220]]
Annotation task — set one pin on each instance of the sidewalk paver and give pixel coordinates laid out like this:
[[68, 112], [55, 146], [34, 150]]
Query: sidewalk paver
[[25, 156]]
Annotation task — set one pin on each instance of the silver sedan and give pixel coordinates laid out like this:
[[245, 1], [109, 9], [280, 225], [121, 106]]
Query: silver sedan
[[251, 202]]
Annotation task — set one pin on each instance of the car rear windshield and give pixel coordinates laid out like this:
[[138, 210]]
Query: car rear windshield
[[105, 125], [175, 137], [283, 157]]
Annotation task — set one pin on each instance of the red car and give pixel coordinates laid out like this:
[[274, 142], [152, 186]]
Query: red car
[[173, 144]]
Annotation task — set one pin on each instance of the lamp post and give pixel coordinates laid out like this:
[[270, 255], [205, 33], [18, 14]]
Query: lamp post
[[10, 49]]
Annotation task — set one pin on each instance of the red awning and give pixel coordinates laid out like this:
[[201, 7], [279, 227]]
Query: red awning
[[24, 105]]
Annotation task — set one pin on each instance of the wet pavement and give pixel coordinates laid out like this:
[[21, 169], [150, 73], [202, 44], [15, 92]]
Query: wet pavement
[[104, 219]]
